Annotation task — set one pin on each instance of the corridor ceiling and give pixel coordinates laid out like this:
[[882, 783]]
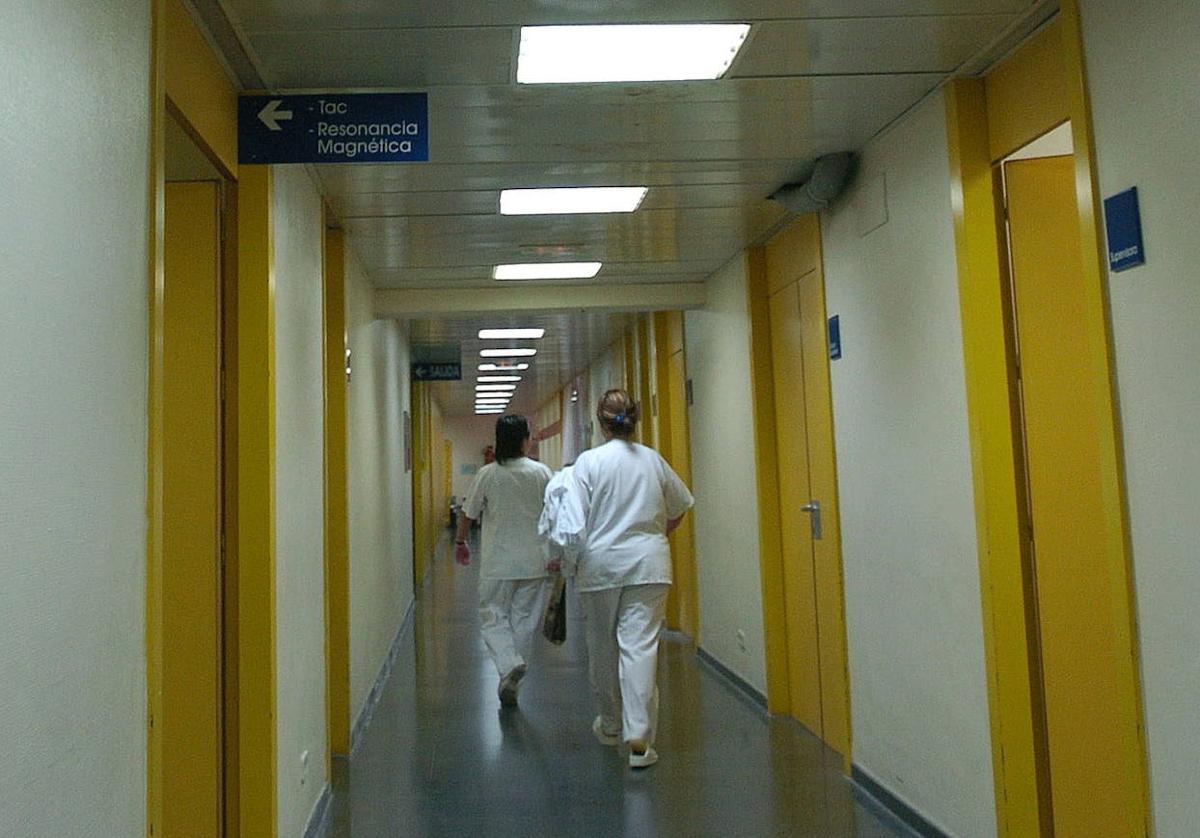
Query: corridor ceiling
[[813, 77], [571, 342]]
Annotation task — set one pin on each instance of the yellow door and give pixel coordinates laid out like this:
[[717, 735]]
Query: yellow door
[[810, 529], [1091, 715], [804, 676], [822, 488], [191, 581]]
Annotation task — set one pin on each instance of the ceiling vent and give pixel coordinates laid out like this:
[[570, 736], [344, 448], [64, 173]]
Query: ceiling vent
[[830, 176]]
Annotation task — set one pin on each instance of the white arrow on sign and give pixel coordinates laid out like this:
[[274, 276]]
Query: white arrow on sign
[[271, 115]]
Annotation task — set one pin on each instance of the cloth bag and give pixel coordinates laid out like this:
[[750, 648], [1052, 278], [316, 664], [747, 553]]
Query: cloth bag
[[554, 620]]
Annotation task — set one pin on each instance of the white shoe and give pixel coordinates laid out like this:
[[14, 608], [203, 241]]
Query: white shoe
[[509, 684], [602, 735], [644, 759]]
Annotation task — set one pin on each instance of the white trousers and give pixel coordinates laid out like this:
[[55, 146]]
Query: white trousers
[[510, 611], [623, 627]]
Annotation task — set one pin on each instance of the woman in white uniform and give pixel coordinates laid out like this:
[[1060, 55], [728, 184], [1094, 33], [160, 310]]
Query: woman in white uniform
[[630, 499], [508, 495]]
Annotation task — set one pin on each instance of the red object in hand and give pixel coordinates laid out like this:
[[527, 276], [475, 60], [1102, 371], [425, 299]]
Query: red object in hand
[[462, 554]]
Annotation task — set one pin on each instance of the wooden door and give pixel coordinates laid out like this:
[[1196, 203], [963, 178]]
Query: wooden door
[[809, 524], [822, 488], [1091, 716], [191, 723], [791, 430]]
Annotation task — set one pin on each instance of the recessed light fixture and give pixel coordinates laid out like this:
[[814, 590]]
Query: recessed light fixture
[[571, 199], [491, 402], [507, 353], [627, 52], [547, 270], [511, 334], [508, 388], [493, 379], [488, 412], [503, 367]]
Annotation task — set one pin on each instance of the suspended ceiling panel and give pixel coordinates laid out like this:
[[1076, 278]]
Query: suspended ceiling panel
[[814, 76]]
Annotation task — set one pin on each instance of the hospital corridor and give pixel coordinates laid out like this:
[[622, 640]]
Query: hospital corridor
[[639, 419]]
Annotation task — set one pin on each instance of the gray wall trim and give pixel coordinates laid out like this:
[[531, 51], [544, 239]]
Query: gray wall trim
[[318, 821], [385, 672], [744, 688], [868, 789]]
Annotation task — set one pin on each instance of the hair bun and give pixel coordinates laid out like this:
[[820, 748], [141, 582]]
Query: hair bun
[[618, 413]]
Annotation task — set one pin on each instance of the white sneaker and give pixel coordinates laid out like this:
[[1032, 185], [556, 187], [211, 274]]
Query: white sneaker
[[644, 759], [509, 684], [604, 736]]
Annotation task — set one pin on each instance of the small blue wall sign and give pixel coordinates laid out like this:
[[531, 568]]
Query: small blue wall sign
[[835, 338], [437, 372], [333, 128], [1123, 221]]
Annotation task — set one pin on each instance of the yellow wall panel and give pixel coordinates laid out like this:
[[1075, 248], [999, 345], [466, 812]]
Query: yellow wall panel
[[198, 87], [1027, 94]]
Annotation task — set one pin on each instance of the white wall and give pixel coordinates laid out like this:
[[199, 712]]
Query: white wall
[[299, 496], [606, 373], [380, 490], [73, 335], [1143, 69], [724, 481], [468, 435], [917, 667]]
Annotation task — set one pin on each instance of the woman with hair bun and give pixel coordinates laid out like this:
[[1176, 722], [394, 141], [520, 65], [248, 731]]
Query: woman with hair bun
[[630, 498]]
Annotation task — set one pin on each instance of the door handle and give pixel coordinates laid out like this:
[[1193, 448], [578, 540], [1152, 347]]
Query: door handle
[[813, 508]]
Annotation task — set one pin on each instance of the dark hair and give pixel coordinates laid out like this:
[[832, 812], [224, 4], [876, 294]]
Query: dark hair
[[511, 431], [618, 413]]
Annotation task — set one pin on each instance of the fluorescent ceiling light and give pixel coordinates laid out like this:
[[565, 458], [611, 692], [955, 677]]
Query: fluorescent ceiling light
[[502, 367], [628, 52], [491, 402], [511, 334], [573, 199], [487, 412], [492, 379], [507, 353], [481, 388], [547, 270]]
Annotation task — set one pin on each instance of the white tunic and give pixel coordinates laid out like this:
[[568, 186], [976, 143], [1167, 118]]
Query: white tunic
[[509, 499], [627, 493]]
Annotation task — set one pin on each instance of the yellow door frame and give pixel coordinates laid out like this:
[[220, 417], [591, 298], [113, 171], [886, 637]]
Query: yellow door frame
[[188, 79], [683, 600], [1042, 85], [766, 462], [337, 535]]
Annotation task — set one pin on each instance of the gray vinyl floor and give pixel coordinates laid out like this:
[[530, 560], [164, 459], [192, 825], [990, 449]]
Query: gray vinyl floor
[[441, 758]]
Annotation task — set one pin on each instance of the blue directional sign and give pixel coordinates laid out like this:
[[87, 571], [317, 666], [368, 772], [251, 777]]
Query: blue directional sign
[[1123, 221], [333, 128], [835, 338], [437, 372]]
